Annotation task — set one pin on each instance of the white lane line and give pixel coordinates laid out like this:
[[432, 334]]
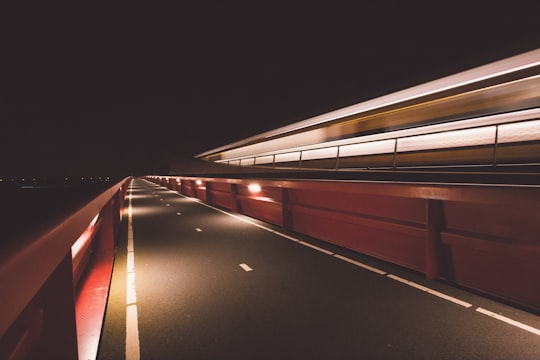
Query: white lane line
[[132, 322], [316, 248], [246, 267], [509, 321], [357, 263], [130, 262], [285, 236], [132, 334], [131, 294], [430, 291], [367, 267]]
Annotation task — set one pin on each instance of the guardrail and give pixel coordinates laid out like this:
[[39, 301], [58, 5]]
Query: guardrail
[[483, 237], [509, 138], [53, 288]]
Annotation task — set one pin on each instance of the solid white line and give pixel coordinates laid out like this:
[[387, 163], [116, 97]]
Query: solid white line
[[394, 277], [132, 334], [357, 263], [131, 294], [367, 267], [246, 267], [286, 236], [430, 291], [132, 322], [509, 321], [130, 262], [316, 248]]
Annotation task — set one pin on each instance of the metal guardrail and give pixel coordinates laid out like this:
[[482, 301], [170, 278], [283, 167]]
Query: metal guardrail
[[39, 293], [491, 132]]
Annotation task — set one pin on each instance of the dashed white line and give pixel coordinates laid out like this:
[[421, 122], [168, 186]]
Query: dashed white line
[[509, 321], [246, 267], [381, 272]]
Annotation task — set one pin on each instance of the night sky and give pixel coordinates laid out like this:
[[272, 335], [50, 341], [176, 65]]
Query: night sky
[[104, 90]]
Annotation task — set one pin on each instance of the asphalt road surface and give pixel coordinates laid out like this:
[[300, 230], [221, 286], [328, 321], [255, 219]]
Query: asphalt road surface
[[192, 281]]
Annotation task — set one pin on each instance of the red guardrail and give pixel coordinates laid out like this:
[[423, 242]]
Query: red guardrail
[[483, 237], [53, 289]]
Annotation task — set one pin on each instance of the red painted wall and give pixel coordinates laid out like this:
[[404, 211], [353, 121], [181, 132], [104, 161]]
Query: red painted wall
[[481, 237]]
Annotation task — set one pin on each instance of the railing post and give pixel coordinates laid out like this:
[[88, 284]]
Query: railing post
[[434, 225], [209, 197], [235, 205], [59, 334], [285, 211]]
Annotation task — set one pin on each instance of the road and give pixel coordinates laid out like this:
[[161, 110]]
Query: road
[[191, 281]]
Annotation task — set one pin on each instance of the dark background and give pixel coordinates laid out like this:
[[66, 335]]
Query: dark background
[[117, 90]]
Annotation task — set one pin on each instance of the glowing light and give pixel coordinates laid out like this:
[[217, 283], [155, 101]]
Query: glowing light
[[502, 67], [254, 188], [513, 127], [523, 131], [373, 147], [84, 238], [264, 159], [247, 162], [450, 139], [324, 153], [198, 182], [293, 156]]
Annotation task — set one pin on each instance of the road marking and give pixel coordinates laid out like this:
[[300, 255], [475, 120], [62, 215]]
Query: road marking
[[285, 236], [362, 265], [246, 267], [430, 291], [367, 267], [509, 321], [130, 262], [316, 248], [131, 294], [132, 322], [132, 334]]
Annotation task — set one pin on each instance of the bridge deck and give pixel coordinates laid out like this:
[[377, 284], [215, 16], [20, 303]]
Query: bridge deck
[[194, 282]]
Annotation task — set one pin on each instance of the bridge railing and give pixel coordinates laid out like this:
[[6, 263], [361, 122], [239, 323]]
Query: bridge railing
[[53, 288], [500, 139], [483, 237]]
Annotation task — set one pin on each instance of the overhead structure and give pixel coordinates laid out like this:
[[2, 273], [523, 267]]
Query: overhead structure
[[484, 117]]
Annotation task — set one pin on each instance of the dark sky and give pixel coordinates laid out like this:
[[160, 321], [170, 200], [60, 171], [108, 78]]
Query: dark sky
[[119, 89]]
